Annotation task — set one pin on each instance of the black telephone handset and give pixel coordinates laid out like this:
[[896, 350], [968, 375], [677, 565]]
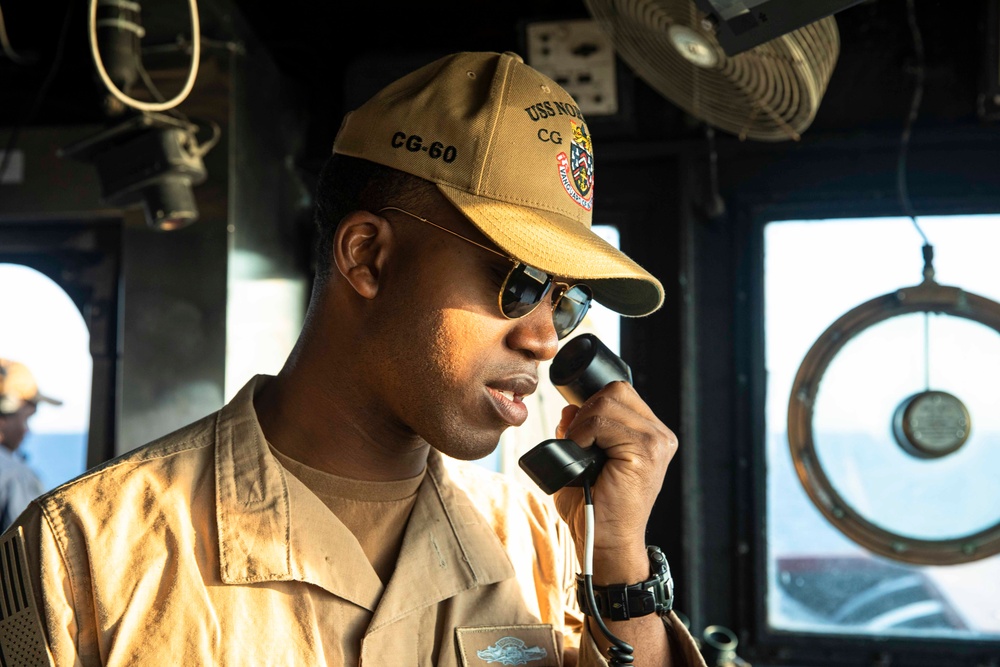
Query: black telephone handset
[[581, 368]]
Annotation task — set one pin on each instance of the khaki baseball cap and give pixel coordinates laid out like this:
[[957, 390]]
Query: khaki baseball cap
[[18, 386], [511, 150]]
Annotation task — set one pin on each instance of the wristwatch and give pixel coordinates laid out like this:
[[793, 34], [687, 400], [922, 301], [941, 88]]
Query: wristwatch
[[620, 602]]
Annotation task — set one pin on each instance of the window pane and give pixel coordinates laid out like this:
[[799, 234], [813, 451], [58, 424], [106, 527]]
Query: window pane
[[818, 579], [43, 329]]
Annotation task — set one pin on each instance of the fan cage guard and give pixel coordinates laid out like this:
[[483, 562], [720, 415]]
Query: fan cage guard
[[768, 93]]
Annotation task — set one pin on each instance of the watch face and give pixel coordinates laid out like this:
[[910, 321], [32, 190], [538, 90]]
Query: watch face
[[931, 424]]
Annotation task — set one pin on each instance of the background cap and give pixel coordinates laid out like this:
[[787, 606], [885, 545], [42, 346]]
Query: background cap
[[18, 386], [511, 150]]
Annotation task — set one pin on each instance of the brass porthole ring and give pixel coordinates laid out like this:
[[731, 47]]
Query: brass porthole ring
[[930, 297]]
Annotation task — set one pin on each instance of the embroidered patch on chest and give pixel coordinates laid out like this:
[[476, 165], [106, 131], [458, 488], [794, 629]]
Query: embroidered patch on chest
[[531, 645]]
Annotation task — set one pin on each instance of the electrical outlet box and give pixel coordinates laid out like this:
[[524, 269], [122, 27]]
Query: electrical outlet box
[[577, 55]]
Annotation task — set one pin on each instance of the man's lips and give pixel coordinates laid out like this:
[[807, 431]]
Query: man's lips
[[507, 398]]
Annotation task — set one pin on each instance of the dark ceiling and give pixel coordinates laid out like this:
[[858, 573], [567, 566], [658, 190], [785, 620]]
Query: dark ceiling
[[871, 87], [316, 43]]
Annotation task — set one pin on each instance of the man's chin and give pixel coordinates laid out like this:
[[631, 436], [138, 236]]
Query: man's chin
[[471, 451]]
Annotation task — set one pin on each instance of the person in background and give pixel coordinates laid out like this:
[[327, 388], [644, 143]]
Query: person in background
[[19, 399]]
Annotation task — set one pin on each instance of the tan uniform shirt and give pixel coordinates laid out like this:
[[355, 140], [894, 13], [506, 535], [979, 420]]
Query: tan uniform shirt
[[200, 549], [376, 513]]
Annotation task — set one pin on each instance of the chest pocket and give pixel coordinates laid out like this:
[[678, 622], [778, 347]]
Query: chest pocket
[[531, 645]]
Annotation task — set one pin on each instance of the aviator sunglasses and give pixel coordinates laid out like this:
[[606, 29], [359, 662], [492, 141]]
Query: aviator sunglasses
[[525, 287]]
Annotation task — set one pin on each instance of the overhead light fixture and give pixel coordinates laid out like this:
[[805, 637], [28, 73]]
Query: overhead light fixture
[[151, 160]]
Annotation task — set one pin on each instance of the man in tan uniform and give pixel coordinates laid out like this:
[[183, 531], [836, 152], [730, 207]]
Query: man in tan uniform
[[330, 515]]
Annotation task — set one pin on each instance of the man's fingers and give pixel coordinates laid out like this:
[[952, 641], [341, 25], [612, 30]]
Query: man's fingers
[[565, 418]]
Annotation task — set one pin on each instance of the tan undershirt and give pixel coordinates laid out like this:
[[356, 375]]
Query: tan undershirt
[[376, 512]]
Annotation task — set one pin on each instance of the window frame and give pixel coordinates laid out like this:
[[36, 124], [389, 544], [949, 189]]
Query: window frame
[[786, 647], [84, 259], [827, 175]]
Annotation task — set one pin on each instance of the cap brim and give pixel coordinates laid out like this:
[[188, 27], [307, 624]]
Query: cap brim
[[563, 247], [42, 398]]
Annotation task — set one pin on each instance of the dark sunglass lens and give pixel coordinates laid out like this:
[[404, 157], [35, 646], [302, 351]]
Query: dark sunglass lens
[[571, 309], [524, 288]]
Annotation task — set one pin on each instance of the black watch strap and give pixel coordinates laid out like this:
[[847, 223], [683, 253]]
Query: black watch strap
[[620, 602]]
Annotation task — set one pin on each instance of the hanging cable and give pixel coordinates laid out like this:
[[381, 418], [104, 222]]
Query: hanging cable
[[620, 652], [904, 145], [126, 99], [927, 351], [200, 150], [715, 207], [5, 44], [911, 119]]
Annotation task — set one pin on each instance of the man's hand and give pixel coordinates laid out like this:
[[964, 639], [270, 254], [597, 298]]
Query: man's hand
[[639, 448]]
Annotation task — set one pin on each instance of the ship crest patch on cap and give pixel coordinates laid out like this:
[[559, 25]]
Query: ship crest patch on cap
[[577, 170]]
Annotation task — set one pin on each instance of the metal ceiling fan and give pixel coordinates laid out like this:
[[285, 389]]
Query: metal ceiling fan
[[769, 92]]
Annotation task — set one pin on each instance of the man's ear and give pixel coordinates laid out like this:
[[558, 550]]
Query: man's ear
[[360, 249]]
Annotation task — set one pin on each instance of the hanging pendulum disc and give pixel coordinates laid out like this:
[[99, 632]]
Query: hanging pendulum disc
[[931, 424]]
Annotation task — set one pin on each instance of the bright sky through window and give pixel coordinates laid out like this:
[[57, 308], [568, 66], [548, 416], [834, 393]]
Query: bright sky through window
[[815, 271]]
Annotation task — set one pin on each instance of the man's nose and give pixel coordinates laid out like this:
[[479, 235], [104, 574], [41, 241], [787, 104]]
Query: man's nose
[[535, 333]]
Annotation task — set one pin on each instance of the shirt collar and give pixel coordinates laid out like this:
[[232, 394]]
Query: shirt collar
[[267, 527]]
